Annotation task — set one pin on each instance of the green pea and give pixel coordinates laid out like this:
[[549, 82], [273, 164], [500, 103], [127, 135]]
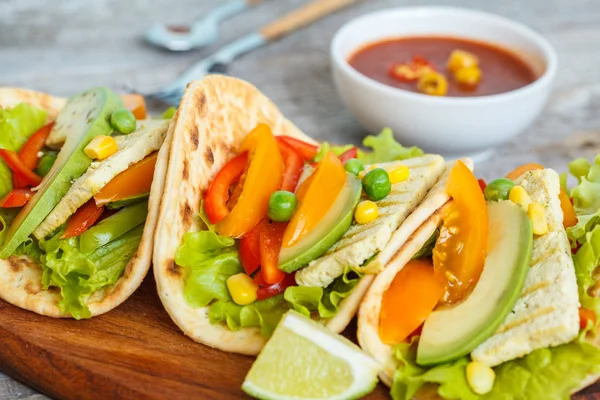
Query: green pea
[[45, 163], [498, 189], [354, 166], [123, 121], [376, 184], [282, 205]]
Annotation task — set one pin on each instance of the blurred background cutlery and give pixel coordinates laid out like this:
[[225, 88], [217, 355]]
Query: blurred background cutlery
[[218, 61], [200, 33]]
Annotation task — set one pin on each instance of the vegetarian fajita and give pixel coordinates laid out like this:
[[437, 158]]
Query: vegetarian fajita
[[257, 218], [494, 297], [80, 181]]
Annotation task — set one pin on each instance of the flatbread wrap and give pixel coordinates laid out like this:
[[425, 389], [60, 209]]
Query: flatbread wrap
[[467, 310], [258, 218], [76, 223]]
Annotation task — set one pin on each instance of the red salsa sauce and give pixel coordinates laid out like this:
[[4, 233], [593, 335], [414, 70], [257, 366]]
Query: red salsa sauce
[[501, 70]]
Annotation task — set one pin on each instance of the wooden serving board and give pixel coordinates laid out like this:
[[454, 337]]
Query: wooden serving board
[[133, 352]]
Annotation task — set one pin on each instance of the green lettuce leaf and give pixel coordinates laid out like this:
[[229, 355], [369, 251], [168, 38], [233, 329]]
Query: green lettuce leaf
[[325, 301], [385, 149], [78, 275], [552, 374], [586, 197], [209, 259], [410, 377], [325, 147], [586, 260], [265, 314], [16, 126], [7, 215]]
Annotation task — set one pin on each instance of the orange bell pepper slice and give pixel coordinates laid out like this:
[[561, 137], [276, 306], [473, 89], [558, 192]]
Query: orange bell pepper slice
[[84, 218], [134, 181], [136, 104], [569, 216], [410, 299], [585, 316], [316, 195], [460, 250], [263, 177]]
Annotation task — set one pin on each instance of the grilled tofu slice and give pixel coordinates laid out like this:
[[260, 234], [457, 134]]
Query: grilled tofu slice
[[361, 242], [547, 312], [132, 148]]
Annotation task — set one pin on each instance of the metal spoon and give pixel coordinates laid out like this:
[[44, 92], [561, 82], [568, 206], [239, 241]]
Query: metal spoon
[[200, 33]]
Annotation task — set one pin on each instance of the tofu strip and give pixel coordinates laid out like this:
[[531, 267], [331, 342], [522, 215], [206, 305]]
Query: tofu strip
[[547, 313]]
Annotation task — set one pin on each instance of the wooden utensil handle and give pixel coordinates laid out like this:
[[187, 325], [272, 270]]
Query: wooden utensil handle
[[302, 17]]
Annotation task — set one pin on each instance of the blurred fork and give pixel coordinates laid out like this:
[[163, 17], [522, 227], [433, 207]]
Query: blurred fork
[[218, 61]]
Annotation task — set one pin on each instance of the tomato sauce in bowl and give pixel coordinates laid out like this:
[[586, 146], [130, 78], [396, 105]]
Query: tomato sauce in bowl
[[501, 70]]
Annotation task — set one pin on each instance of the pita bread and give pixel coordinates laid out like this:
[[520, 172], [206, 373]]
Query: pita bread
[[20, 277], [10, 97]]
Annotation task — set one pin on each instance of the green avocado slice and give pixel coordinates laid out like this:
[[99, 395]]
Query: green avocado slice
[[115, 205], [451, 333], [84, 117], [327, 232]]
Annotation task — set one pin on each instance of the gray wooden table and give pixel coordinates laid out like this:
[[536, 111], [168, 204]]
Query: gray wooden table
[[64, 46]]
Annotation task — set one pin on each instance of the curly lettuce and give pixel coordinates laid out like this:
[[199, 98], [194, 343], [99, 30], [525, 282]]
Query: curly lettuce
[[552, 373], [79, 275], [209, 260], [16, 126], [586, 197], [384, 148]]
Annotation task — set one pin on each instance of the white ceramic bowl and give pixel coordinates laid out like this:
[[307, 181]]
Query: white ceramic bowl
[[452, 126]]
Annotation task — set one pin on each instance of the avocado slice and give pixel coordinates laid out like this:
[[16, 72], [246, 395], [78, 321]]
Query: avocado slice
[[453, 332], [328, 231], [84, 117], [115, 205]]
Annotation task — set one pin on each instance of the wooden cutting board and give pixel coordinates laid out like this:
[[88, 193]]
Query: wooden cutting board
[[133, 352]]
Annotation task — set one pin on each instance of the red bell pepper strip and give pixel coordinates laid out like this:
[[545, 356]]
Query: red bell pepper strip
[[294, 164], [84, 218], [277, 288], [585, 316], [482, 184], [16, 198], [250, 248], [270, 244], [15, 163], [215, 201], [29, 152], [348, 154], [307, 150]]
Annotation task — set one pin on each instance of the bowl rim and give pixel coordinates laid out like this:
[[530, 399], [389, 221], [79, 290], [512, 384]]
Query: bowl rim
[[548, 53]]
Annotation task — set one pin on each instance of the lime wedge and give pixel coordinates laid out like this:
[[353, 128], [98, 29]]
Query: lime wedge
[[304, 360]]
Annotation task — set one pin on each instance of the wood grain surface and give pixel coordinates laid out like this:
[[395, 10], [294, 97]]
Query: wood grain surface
[[64, 46]]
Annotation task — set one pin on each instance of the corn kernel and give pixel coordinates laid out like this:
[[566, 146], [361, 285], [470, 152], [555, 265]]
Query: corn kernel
[[242, 289], [101, 147], [537, 215], [480, 377], [519, 196], [368, 169], [462, 59], [470, 76], [433, 84], [366, 211], [398, 174]]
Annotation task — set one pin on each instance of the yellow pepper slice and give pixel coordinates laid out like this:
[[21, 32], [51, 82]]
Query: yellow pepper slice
[[315, 197], [263, 177]]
